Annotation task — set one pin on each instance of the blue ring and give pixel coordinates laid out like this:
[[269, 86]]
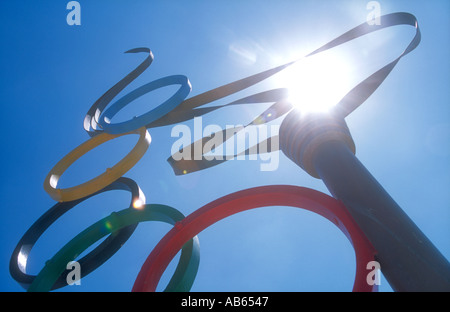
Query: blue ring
[[151, 116]]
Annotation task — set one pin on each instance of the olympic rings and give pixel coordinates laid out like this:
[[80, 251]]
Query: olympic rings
[[185, 272], [90, 262], [152, 115], [104, 179], [274, 195]]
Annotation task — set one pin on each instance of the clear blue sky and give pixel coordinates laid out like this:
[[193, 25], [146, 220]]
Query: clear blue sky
[[51, 73]]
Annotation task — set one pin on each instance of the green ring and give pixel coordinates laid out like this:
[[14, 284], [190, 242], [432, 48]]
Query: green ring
[[185, 272]]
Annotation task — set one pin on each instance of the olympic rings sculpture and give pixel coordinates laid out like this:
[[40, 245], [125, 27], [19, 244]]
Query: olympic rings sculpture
[[121, 225]]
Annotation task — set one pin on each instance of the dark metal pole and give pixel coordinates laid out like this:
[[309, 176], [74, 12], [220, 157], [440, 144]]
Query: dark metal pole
[[323, 147]]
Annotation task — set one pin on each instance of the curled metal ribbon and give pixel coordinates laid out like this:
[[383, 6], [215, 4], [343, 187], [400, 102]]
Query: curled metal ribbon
[[192, 107]]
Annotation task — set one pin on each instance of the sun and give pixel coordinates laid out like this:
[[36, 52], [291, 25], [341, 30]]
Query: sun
[[316, 83]]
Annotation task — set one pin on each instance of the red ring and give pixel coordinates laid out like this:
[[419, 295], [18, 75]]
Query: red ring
[[273, 195]]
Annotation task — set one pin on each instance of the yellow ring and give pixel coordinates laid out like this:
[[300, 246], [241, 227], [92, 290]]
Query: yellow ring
[[104, 179]]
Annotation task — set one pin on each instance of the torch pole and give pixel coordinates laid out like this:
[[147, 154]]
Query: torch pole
[[322, 145]]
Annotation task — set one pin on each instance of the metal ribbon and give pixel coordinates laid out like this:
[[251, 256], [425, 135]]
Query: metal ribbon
[[191, 107]]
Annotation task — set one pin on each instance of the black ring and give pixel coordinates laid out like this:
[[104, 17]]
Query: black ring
[[90, 262]]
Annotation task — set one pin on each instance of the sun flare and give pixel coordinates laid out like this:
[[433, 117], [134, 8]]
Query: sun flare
[[316, 83]]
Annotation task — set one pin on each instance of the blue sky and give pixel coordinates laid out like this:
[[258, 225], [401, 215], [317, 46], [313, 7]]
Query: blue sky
[[51, 74]]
